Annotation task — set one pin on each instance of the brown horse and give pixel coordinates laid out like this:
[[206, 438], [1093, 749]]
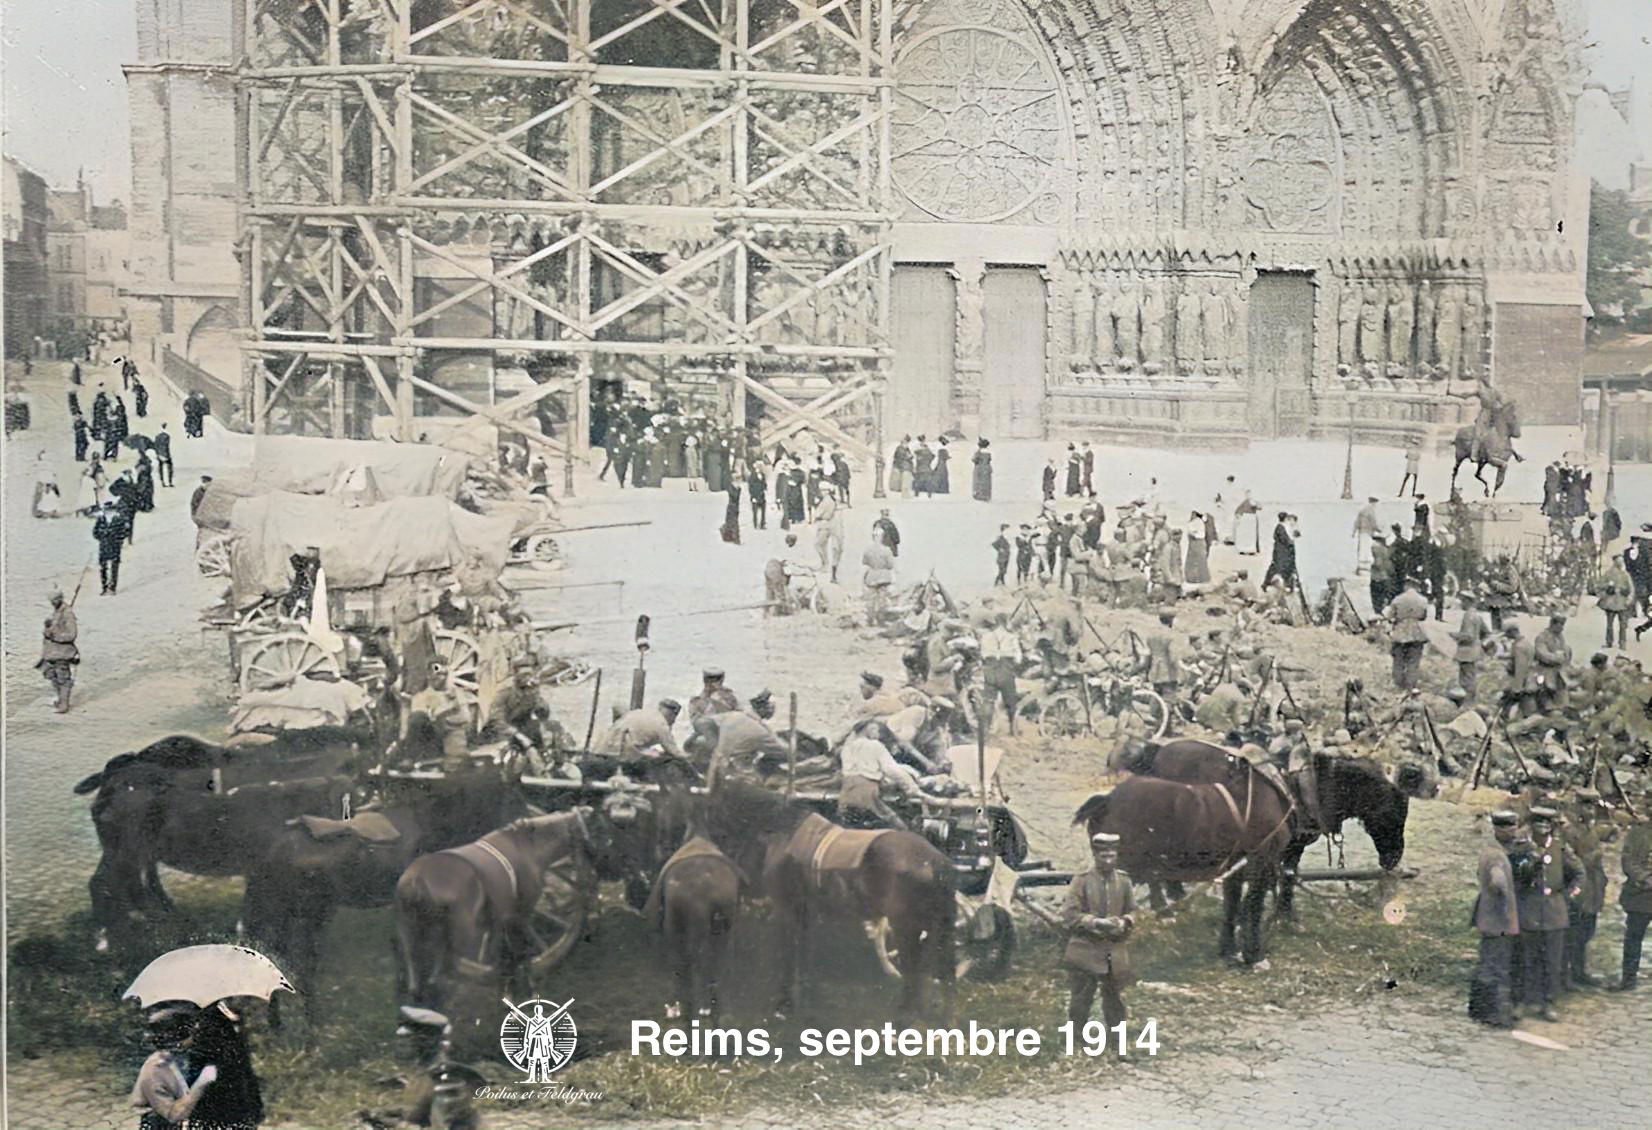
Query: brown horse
[[1232, 823], [811, 869], [465, 916], [203, 809], [311, 868], [1348, 788], [693, 905]]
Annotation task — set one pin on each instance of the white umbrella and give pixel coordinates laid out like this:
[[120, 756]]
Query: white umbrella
[[207, 974]]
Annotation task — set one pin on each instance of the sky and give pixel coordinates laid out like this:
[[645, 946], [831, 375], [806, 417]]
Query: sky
[[64, 107]]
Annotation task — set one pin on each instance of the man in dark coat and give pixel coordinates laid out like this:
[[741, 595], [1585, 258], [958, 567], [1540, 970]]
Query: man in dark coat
[[1636, 897], [109, 532], [1434, 570], [891, 535], [125, 493], [82, 440], [1089, 458], [1001, 551], [163, 456], [923, 469], [757, 488], [1546, 872], [1496, 917], [140, 398], [1048, 481], [840, 476], [1099, 916], [1587, 841], [100, 413]]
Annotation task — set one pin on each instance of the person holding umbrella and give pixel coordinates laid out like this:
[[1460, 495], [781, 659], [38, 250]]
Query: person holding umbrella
[[163, 1092], [187, 992]]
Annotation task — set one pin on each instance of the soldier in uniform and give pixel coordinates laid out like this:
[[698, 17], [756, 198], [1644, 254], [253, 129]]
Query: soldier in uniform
[[448, 713], [1000, 661], [1517, 692], [867, 765], [1497, 918], [1552, 654], [1548, 872], [1586, 837], [1160, 665], [1099, 915], [1615, 593], [58, 653], [638, 731], [714, 697], [1471, 638], [519, 713], [1635, 898], [1406, 644]]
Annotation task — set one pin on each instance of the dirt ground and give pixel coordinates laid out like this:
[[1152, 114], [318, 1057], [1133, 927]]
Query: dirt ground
[[149, 671]]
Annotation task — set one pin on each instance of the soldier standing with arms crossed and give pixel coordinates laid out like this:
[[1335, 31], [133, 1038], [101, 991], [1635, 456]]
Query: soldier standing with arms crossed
[[1550, 872], [1635, 898]]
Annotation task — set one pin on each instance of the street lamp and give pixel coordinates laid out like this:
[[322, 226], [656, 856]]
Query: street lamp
[[1348, 464]]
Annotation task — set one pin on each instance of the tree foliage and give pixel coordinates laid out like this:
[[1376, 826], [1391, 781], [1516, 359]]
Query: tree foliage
[[1618, 260]]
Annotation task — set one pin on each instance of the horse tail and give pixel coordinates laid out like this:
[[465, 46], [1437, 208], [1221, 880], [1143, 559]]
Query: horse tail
[[421, 939], [1092, 810]]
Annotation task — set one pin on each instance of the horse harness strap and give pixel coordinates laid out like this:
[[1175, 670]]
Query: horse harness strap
[[499, 858], [495, 870]]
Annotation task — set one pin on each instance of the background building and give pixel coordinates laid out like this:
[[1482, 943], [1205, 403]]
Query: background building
[[1178, 221], [86, 260], [26, 216]]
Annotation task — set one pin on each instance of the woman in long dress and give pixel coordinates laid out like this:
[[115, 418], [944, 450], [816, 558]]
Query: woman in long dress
[[48, 500], [943, 477], [981, 487], [1197, 569]]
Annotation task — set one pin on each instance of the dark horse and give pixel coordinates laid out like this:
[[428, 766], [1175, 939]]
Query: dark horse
[[1217, 816], [311, 868], [1486, 441], [693, 906], [465, 916], [811, 869], [203, 809], [1347, 789]]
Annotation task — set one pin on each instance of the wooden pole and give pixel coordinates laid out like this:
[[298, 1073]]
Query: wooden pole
[[591, 726], [791, 748]]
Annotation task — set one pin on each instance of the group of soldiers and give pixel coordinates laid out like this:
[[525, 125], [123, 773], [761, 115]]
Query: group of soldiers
[[1542, 888]]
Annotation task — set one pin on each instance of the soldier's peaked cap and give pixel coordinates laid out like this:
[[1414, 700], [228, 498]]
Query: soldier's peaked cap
[[1541, 813], [1104, 839], [1504, 818], [712, 673], [871, 679], [670, 704]]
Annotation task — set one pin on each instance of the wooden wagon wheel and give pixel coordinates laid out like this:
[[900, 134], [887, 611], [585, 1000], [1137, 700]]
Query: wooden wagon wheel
[[464, 661], [281, 659], [1062, 717], [557, 921], [1146, 716], [543, 548], [212, 556], [985, 941]]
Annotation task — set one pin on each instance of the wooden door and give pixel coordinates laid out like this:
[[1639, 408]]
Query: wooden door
[[1012, 380], [919, 398], [1281, 353]]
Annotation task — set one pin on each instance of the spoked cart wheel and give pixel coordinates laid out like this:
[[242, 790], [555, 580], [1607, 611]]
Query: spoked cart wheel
[[1145, 717], [543, 549], [1062, 717], [985, 941], [212, 556], [281, 659], [463, 659], [557, 921]]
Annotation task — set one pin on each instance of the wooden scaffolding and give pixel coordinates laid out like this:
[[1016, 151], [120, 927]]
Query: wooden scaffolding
[[475, 210]]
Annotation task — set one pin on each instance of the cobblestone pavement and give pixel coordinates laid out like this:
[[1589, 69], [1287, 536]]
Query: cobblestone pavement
[[148, 671]]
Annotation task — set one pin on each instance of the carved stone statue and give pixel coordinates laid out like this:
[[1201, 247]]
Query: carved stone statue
[[1106, 350], [1239, 327], [1370, 328], [1190, 340], [1448, 332], [1127, 313], [1348, 325], [1427, 303], [1472, 348], [1401, 319], [1083, 327], [1218, 325], [971, 321], [1152, 324]]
